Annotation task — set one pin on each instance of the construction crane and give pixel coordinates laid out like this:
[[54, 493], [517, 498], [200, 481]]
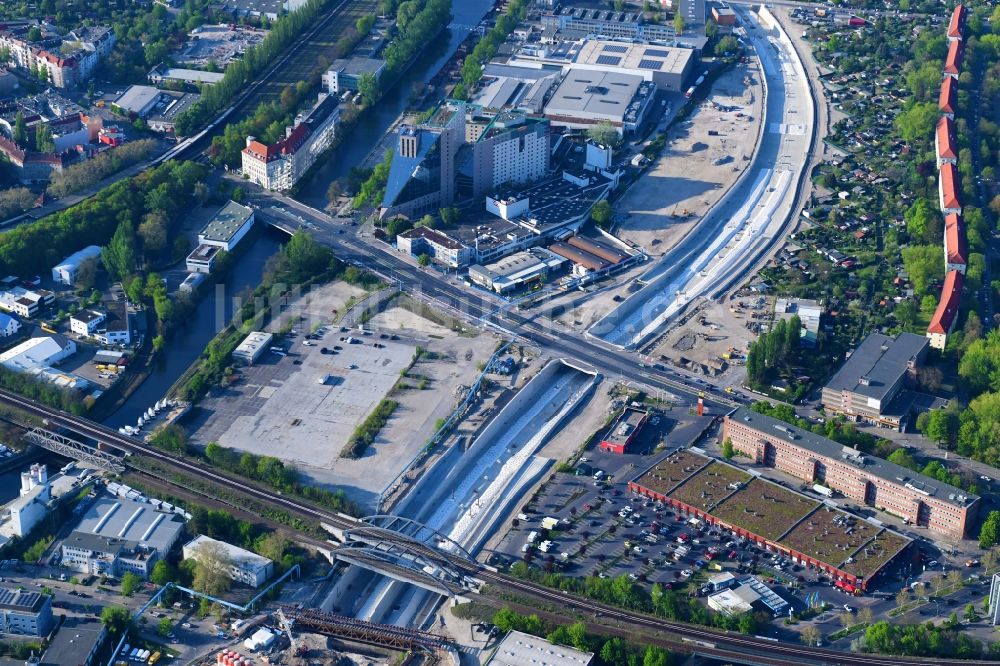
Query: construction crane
[[286, 626]]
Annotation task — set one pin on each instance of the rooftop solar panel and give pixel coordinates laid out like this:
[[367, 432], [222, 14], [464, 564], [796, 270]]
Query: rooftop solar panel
[[656, 53], [614, 48], [608, 60], [650, 64]]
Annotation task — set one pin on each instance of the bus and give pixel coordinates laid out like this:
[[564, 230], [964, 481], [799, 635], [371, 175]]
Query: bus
[[689, 93], [155, 658]]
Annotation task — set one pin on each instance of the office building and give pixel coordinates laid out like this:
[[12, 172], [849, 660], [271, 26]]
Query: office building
[[227, 227], [117, 535], [423, 172], [252, 347], [668, 67], [871, 379], [624, 430], [202, 259], [514, 149], [439, 246], [587, 97], [86, 322], [520, 649], [345, 73], [24, 613], [25, 303], [693, 11], [244, 567], [917, 499], [517, 271], [573, 23], [65, 272], [117, 326], [280, 165], [946, 314]]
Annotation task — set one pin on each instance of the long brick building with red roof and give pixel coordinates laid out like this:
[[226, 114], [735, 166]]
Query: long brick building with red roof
[[946, 314]]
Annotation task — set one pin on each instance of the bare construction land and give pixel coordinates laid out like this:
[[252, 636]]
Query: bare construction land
[[696, 168], [303, 407]]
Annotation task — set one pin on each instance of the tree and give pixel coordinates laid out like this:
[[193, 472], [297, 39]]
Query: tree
[[711, 29], [904, 458], [654, 656], [604, 134], [43, 139], [924, 265], [162, 573], [334, 190], [130, 583], [274, 547], [153, 232], [970, 613], [116, 618], [86, 274], [916, 122], [450, 215], [118, 255], [989, 533], [613, 651], [865, 615], [20, 130], [679, 23], [164, 626], [847, 620], [727, 44], [727, 449], [424, 259], [602, 213], [810, 635], [211, 573], [369, 88], [902, 597]]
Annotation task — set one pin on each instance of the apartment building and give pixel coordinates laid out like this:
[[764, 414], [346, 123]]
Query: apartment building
[[869, 382], [69, 60], [280, 165], [917, 499]]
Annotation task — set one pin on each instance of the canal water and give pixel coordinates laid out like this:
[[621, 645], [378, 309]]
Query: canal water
[[214, 311], [372, 125]]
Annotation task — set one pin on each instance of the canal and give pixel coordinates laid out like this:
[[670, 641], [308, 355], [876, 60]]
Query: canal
[[372, 125], [187, 343]]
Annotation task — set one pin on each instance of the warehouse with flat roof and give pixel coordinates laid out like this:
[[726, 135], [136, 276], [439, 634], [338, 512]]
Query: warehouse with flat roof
[[667, 66], [228, 227], [520, 649], [252, 347], [586, 97]]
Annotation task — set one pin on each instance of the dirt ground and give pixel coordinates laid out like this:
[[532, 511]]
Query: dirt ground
[[695, 169], [702, 343]]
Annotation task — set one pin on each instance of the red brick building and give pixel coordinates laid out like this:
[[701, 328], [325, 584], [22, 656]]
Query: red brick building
[[624, 431]]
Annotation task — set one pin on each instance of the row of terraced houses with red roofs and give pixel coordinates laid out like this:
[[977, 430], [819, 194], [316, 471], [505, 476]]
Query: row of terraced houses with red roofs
[[956, 247]]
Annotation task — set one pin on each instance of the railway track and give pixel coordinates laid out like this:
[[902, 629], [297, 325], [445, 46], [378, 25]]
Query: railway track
[[725, 645]]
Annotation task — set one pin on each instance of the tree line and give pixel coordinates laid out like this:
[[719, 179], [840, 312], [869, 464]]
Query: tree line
[[483, 52]]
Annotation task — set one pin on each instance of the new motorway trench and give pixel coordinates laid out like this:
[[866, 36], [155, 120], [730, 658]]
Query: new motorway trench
[[746, 222], [468, 492]]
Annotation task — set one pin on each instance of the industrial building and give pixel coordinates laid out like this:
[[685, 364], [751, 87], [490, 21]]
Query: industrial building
[[589, 255], [520, 649], [946, 315], [24, 613], [227, 227], [38, 352], [743, 596], [423, 172], [808, 311], [279, 166], [666, 66], [513, 149], [252, 347], [32, 504], [117, 535], [870, 383], [624, 430], [866, 479], [202, 259], [576, 23], [137, 101], [587, 97], [344, 73], [507, 86], [65, 272], [77, 642], [516, 271], [852, 551], [162, 73], [244, 566]]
